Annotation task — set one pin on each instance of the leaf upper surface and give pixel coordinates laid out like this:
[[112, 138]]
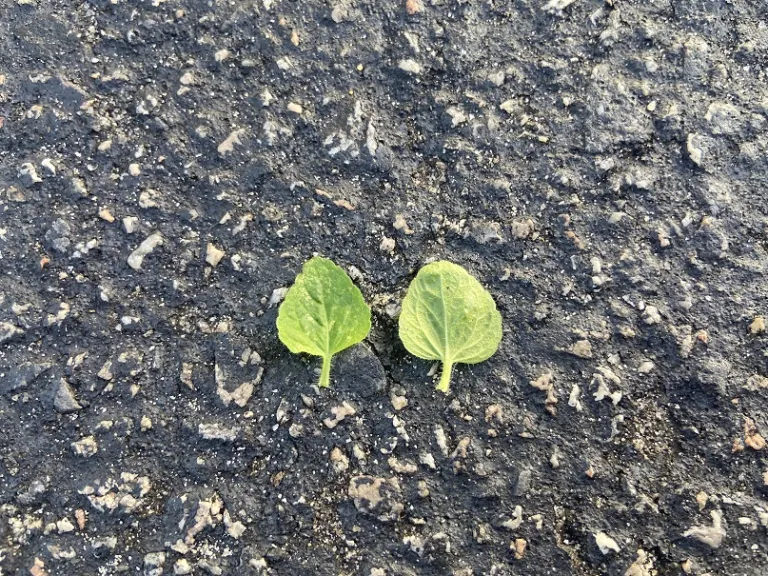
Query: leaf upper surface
[[323, 312]]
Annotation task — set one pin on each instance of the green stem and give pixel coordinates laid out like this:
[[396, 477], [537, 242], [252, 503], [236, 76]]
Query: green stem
[[445, 377], [325, 372]]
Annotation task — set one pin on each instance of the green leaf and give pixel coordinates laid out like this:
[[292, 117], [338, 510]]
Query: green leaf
[[447, 315], [323, 313]]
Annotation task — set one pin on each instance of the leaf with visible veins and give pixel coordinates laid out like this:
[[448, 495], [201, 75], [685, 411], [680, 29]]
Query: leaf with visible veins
[[447, 315], [323, 313]]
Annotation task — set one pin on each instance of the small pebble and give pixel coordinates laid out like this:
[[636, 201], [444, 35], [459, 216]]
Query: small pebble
[[228, 145], [428, 460], [235, 528], [266, 97], [339, 414], [701, 499], [519, 546], [695, 153], [182, 567], [616, 217], [581, 348], [574, 400], [106, 215], [522, 229], [130, 224], [401, 224], [339, 13], [757, 326], [64, 526], [646, 367], [713, 535], [213, 255], [398, 402], [28, 174], [387, 245], [78, 187], [85, 447], [339, 461], [413, 7], [752, 437], [64, 400], [410, 66], [216, 431], [284, 63], [48, 165], [81, 517], [651, 315], [399, 467], [136, 258], [605, 543]]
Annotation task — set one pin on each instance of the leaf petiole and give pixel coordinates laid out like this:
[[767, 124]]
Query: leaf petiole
[[445, 377], [325, 372]]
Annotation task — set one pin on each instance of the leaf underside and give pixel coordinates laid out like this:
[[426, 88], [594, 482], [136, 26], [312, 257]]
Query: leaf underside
[[323, 313], [447, 315]]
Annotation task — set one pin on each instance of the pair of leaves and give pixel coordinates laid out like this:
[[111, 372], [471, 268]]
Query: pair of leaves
[[447, 315]]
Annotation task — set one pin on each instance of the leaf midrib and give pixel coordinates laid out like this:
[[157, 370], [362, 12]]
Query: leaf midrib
[[446, 354], [321, 302], [325, 317]]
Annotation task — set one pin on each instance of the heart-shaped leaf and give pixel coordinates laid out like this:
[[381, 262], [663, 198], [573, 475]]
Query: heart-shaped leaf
[[323, 313], [447, 315]]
